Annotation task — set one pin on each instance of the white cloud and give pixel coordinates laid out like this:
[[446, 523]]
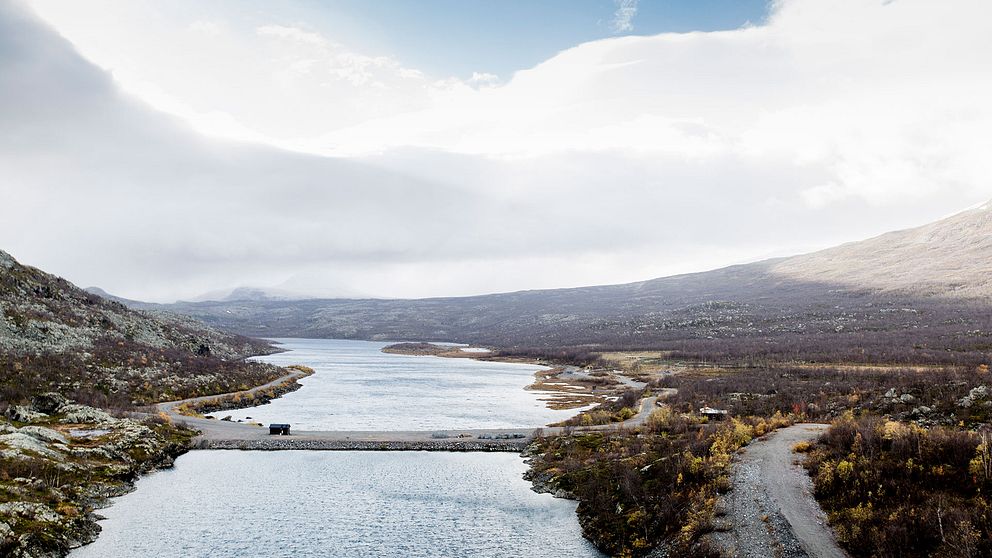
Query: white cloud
[[293, 34], [484, 79], [614, 160], [210, 28], [623, 17]]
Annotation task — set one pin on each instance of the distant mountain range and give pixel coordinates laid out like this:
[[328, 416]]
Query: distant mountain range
[[232, 295], [861, 300]]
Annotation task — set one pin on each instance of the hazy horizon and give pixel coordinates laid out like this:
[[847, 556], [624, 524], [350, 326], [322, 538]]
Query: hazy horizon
[[166, 151]]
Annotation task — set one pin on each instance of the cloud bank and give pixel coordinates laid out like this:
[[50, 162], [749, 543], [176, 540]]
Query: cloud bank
[[615, 160]]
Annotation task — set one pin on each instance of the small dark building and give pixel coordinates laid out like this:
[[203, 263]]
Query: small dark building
[[278, 429]]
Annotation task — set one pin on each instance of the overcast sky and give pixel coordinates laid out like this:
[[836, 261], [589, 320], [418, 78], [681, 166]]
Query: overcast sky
[[162, 150]]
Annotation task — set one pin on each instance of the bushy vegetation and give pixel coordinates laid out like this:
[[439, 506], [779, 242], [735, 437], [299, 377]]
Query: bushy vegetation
[[123, 374], [577, 356], [930, 395], [896, 489], [643, 487], [619, 410]]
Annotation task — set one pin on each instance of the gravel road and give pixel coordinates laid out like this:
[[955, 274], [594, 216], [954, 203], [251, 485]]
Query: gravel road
[[771, 510]]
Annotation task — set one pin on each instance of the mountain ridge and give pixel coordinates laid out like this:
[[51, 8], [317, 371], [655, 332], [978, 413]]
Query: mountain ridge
[[853, 295]]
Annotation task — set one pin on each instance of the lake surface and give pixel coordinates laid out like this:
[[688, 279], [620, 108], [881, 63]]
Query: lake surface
[[345, 504], [339, 504], [358, 387]]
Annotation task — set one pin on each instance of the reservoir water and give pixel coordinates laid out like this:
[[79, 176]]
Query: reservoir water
[[358, 387], [223, 504], [237, 504]]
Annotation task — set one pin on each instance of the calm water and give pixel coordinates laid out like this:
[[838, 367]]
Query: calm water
[[328, 504], [298, 503], [358, 387]]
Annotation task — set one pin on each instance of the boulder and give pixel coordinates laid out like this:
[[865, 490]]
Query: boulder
[[5, 531], [29, 510], [81, 414], [977, 393], [19, 442], [48, 403], [44, 434], [18, 413]]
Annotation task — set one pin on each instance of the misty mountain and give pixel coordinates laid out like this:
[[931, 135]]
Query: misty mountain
[[104, 294], [863, 300]]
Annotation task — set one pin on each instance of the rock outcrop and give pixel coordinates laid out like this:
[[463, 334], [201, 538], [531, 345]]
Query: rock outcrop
[[63, 462]]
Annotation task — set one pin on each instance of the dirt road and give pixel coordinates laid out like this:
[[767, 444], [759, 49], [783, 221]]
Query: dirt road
[[771, 510]]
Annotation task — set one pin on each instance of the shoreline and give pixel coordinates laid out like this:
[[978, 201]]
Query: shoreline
[[251, 397], [560, 389]]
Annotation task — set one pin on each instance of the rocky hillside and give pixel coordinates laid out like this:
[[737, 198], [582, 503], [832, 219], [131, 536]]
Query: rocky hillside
[[921, 294], [57, 337]]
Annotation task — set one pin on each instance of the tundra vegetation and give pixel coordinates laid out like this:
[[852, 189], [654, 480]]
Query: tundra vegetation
[[898, 489], [652, 485], [906, 457]]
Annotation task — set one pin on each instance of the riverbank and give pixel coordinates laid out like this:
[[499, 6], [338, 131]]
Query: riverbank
[[562, 384], [252, 397], [433, 349], [60, 461]]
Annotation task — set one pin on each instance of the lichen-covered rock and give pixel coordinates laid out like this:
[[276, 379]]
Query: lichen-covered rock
[[19, 442], [29, 510], [90, 453], [59, 479], [976, 394], [5, 531], [44, 434], [48, 403], [81, 414], [19, 413]]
